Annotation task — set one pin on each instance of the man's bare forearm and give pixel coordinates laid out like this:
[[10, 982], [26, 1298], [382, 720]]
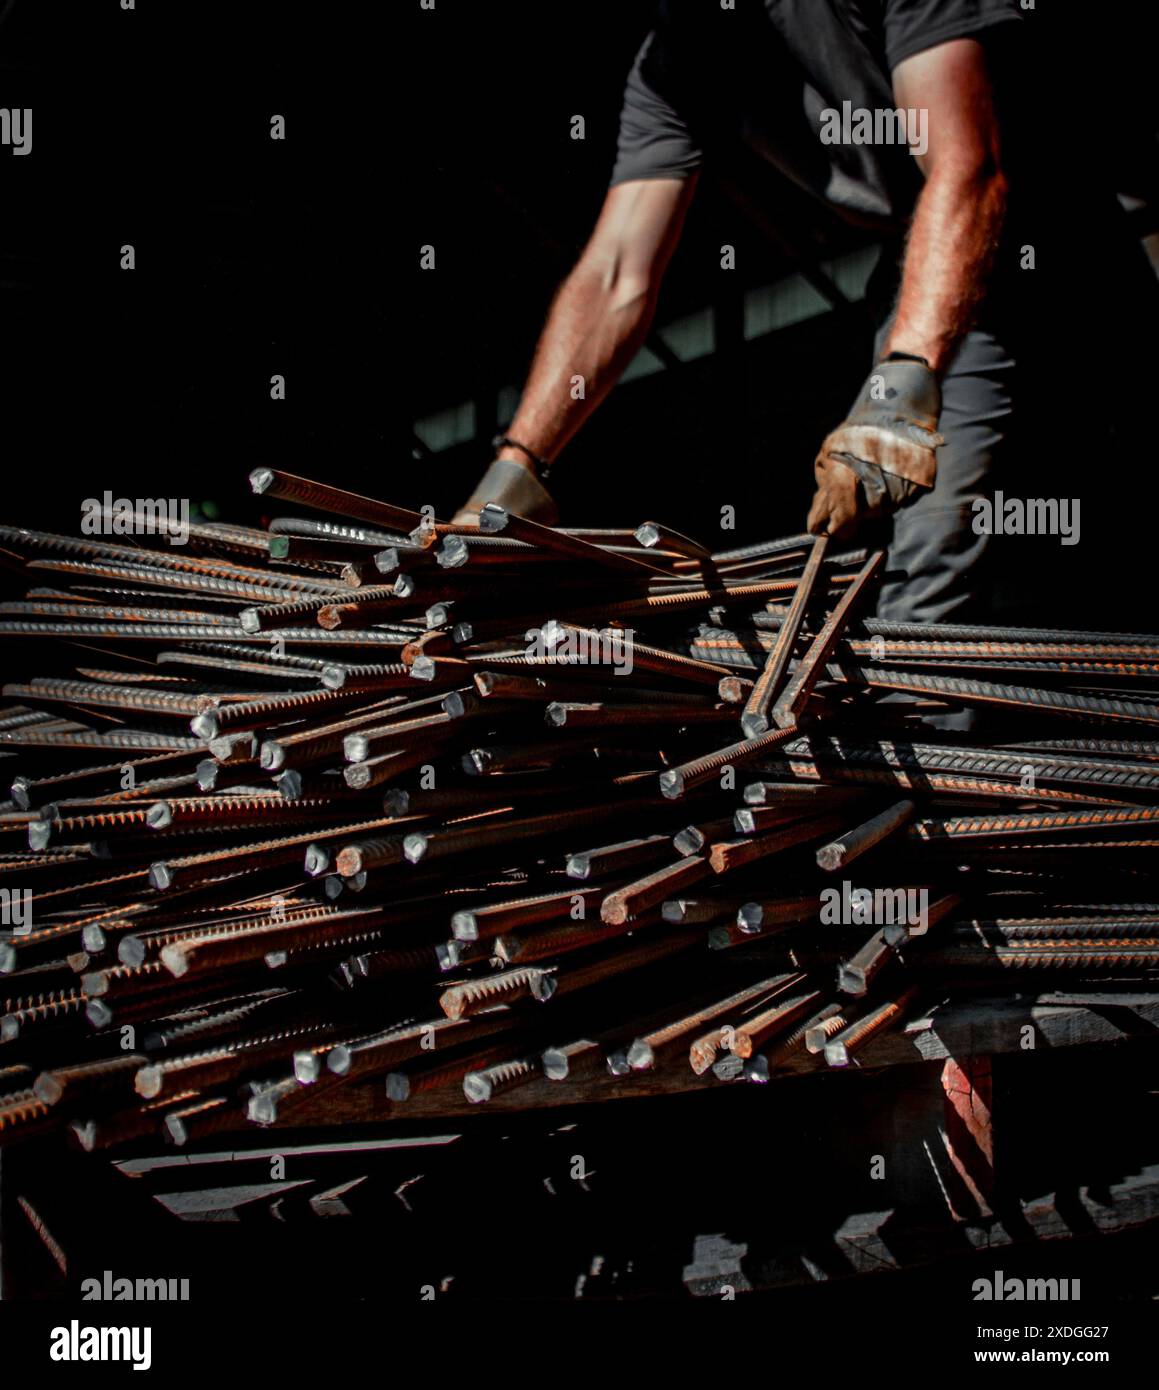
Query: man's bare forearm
[[596, 325], [601, 314], [949, 255]]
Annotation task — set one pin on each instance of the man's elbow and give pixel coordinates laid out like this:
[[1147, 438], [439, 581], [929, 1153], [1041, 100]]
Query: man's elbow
[[624, 285]]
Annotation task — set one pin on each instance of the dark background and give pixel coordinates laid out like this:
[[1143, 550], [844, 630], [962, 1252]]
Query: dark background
[[451, 128]]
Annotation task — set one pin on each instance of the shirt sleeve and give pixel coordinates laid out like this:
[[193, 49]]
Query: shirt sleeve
[[911, 26], [655, 139]]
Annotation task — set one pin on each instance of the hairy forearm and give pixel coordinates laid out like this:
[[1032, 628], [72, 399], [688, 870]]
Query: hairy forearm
[[596, 325], [949, 254]]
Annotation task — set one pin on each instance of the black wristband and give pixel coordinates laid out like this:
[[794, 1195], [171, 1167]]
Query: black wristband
[[905, 357], [503, 441]]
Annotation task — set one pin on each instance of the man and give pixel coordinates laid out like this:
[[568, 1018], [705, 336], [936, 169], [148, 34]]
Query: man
[[774, 75]]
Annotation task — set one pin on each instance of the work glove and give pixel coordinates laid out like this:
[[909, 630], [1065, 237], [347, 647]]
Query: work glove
[[514, 488], [882, 456]]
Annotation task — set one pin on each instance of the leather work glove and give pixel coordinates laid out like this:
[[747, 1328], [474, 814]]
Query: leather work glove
[[882, 456], [515, 489]]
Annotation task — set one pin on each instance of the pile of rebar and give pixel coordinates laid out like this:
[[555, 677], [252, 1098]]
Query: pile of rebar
[[309, 821]]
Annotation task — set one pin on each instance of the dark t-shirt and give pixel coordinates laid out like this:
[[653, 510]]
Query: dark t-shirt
[[766, 73]]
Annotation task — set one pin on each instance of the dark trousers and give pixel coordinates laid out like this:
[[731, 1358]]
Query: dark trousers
[[935, 565]]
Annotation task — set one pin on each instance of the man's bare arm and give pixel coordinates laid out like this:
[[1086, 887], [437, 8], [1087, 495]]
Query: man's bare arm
[[602, 312], [959, 212]]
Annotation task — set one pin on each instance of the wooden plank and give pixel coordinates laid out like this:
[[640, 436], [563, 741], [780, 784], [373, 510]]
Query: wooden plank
[[973, 1028]]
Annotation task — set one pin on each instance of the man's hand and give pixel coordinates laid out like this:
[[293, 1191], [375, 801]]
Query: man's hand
[[514, 486], [883, 454]]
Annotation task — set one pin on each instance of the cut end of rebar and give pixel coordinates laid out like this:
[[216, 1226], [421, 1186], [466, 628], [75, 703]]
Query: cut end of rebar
[[404, 586], [397, 1086], [86, 1134], [249, 619], [465, 926], [289, 784], [851, 979], [752, 725], [355, 748], [414, 847], [19, 793], [261, 479], [205, 726], [98, 1013], [272, 756], [617, 1062], [477, 1087], [454, 703], [730, 1067], [93, 939], [744, 822], [275, 960], [387, 561], [307, 1068], [647, 534], [543, 987], [356, 775], [555, 714], [349, 861], [672, 784], [718, 939], [831, 857], [672, 911], [159, 815], [333, 677], [279, 547], [332, 887], [453, 553], [147, 1082], [173, 959], [689, 841], [836, 1054], [176, 1129], [7, 959], [750, 916], [423, 668], [47, 1088], [39, 834], [447, 955], [262, 1109], [492, 519], [160, 876], [131, 951], [9, 1028], [317, 860], [756, 1069], [338, 1060], [207, 770], [579, 866], [640, 1055], [555, 1065]]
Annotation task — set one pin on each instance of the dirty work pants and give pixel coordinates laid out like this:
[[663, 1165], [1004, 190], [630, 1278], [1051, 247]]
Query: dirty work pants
[[934, 563]]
